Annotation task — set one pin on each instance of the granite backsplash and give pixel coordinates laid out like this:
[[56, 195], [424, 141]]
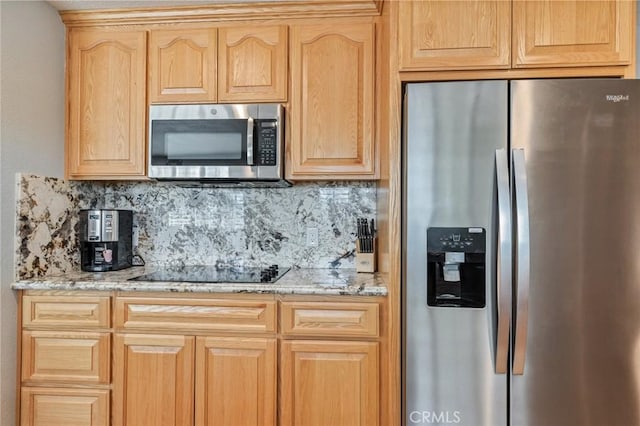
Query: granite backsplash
[[177, 225]]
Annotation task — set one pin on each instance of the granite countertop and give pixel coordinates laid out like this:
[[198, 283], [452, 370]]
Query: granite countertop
[[296, 281]]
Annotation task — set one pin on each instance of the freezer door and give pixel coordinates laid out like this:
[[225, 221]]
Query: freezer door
[[581, 142], [451, 133]]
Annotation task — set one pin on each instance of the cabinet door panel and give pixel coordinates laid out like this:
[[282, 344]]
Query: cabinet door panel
[[329, 383], [467, 34], [252, 63], [235, 381], [153, 381], [106, 105], [332, 101], [68, 407], [182, 65], [71, 357], [572, 33]]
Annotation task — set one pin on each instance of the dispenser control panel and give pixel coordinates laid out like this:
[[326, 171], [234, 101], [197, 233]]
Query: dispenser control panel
[[456, 267], [467, 240]]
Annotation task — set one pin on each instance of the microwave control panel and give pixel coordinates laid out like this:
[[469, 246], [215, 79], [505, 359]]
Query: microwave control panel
[[267, 147]]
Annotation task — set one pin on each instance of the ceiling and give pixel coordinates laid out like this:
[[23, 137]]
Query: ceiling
[[122, 4]]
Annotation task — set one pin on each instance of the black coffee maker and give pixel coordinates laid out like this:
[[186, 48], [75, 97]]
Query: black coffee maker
[[106, 242]]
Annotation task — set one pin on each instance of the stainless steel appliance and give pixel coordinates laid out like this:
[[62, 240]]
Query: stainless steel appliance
[[106, 241], [224, 143], [521, 253], [215, 274]]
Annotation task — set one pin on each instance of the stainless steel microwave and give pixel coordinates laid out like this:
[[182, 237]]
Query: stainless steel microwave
[[209, 143]]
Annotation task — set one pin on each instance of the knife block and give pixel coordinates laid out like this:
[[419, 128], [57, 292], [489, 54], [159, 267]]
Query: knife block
[[366, 262]]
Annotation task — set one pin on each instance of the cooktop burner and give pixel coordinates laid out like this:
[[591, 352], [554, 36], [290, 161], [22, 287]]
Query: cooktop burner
[[215, 274]]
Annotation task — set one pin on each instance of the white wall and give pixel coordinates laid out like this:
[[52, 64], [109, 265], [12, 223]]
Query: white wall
[[31, 140]]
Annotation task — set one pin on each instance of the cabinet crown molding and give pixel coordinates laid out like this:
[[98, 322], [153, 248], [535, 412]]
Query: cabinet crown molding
[[223, 12]]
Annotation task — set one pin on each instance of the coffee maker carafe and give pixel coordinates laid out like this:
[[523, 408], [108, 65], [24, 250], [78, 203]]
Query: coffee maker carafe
[[105, 239]]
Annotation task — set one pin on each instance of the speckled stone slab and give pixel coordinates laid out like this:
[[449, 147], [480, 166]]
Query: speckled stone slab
[[296, 281], [192, 226]]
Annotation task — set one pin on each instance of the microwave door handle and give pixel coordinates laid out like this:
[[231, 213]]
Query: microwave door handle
[[250, 126]]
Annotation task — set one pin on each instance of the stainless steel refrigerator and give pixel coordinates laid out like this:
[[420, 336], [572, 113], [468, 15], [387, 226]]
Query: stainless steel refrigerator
[[521, 253]]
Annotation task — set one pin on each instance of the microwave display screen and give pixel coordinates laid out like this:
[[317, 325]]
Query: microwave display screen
[[199, 142], [196, 146]]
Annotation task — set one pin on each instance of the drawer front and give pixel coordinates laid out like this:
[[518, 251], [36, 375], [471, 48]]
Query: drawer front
[[66, 311], [195, 314], [330, 319], [68, 407], [66, 357]]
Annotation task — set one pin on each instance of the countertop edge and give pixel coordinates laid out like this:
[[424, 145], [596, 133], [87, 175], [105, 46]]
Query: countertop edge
[[312, 282]]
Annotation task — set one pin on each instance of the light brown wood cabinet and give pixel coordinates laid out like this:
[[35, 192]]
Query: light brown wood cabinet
[[454, 34], [106, 104], [332, 101], [153, 380], [551, 33], [182, 65], [325, 381], [497, 34], [69, 407], [252, 64], [226, 379], [228, 64], [236, 382], [329, 383], [199, 360], [65, 359]]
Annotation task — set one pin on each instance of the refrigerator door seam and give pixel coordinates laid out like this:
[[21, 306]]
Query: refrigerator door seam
[[522, 254]]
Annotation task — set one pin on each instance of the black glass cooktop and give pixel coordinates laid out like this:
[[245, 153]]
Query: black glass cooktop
[[215, 274]]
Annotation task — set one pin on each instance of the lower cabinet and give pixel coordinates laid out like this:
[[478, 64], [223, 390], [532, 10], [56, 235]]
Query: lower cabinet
[[223, 360], [65, 370], [153, 380], [329, 383], [162, 379], [60, 406]]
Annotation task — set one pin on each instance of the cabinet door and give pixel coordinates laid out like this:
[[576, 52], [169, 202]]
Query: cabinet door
[[106, 104], [467, 34], [329, 383], [153, 380], [182, 65], [572, 33], [332, 102], [235, 381], [68, 407], [252, 64]]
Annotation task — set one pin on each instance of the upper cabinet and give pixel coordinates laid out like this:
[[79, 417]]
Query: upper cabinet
[[572, 33], [252, 64], [182, 65], [228, 64], [454, 34], [106, 104], [332, 101], [498, 34]]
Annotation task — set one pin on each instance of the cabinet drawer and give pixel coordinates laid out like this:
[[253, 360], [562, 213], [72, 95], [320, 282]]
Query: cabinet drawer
[[66, 357], [195, 314], [329, 319], [76, 407], [66, 311]]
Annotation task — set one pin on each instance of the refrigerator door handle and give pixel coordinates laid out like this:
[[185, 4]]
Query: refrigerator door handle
[[504, 262], [523, 254]]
